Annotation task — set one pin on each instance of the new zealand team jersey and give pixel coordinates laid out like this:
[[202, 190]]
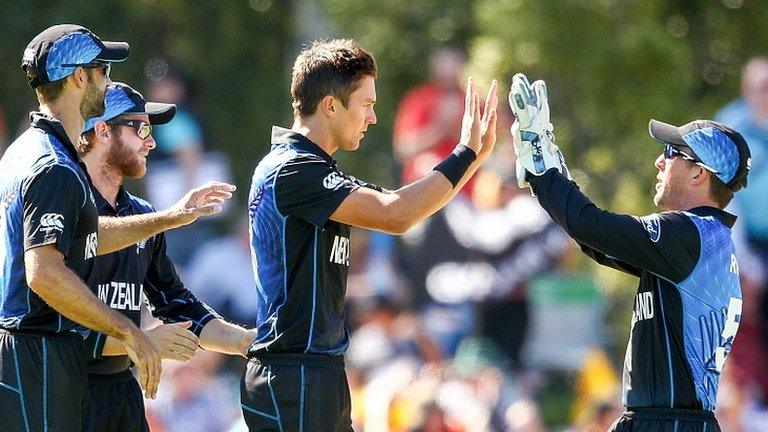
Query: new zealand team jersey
[[300, 257], [124, 275], [46, 200], [688, 304]]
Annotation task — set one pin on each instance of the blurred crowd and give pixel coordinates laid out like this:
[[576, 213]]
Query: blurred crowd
[[479, 319]]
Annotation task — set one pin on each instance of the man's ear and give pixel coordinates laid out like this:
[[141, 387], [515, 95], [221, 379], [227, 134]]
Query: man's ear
[[79, 79], [700, 176], [328, 105], [102, 130]]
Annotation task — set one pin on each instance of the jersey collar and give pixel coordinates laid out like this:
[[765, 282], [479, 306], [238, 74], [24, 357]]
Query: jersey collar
[[723, 216], [105, 208], [53, 126], [282, 136]]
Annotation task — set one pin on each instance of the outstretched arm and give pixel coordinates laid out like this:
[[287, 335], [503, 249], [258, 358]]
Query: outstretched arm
[[397, 211], [117, 233]]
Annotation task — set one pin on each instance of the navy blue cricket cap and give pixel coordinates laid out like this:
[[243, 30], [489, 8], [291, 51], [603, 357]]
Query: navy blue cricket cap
[[121, 99], [715, 146], [67, 44]]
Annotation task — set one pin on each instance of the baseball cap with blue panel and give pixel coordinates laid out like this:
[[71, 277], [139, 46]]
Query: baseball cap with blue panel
[[714, 146], [122, 99], [57, 51]]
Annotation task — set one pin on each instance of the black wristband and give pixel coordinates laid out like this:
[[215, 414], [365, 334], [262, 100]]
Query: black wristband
[[456, 164]]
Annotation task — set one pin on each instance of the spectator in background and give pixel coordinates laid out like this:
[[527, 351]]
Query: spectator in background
[[428, 120], [180, 160], [749, 116], [230, 291]]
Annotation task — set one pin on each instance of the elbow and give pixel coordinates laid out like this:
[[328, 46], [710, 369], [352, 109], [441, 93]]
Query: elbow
[[396, 221]]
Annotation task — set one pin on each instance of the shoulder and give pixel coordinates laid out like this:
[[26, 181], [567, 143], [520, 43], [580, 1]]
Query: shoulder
[[139, 204]]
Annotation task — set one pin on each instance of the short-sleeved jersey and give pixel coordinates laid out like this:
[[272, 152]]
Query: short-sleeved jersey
[[46, 200], [143, 269], [300, 257], [688, 304]]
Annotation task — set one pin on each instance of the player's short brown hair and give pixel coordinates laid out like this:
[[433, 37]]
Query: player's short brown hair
[[719, 192], [48, 92], [328, 67]]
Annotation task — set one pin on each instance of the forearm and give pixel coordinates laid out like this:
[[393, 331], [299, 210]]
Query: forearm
[[221, 336], [117, 233], [425, 197], [61, 289], [113, 347]]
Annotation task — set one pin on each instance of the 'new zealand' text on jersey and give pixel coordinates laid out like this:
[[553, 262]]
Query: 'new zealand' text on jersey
[[46, 200], [300, 257], [125, 276], [688, 304]]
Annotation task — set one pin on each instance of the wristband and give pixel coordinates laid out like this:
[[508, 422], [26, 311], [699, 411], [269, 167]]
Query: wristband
[[456, 164]]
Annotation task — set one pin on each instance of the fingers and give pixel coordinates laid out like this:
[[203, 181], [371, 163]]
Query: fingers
[[540, 90], [153, 376], [468, 96]]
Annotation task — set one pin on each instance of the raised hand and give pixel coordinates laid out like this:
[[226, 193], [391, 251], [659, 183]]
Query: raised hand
[[174, 341], [532, 131], [205, 200], [478, 130]]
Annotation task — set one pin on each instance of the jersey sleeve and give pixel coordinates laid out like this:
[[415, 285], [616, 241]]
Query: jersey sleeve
[[311, 189], [666, 244], [169, 300], [52, 203]]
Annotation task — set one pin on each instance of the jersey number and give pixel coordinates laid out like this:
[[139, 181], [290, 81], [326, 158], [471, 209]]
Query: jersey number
[[729, 332]]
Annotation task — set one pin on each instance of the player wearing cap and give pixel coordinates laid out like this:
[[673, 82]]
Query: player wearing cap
[[688, 304], [114, 147], [48, 224], [301, 207]]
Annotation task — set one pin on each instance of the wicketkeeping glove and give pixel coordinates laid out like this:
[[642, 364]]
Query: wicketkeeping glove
[[532, 131]]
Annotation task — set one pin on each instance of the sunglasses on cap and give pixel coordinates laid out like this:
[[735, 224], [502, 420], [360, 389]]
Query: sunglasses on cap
[[105, 66], [671, 152], [142, 128]]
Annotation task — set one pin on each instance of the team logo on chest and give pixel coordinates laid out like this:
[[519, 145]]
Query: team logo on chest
[[340, 251]]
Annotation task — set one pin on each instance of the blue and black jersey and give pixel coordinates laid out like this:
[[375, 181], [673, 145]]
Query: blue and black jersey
[[688, 304], [300, 257], [46, 200], [124, 275]]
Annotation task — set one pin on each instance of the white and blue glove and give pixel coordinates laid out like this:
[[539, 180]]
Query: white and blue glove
[[532, 132]]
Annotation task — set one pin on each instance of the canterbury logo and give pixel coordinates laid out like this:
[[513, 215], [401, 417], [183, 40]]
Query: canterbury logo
[[333, 181], [50, 222]]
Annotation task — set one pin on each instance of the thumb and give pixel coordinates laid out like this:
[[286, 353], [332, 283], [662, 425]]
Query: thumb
[[184, 325]]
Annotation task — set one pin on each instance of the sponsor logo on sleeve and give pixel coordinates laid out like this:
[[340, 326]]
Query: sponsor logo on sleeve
[[652, 226], [333, 181], [52, 222]]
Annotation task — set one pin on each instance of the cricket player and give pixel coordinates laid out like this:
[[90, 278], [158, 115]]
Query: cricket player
[[114, 146], [688, 303], [51, 234], [301, 206]]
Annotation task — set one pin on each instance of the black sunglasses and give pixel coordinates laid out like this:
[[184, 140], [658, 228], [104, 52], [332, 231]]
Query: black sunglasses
[[142, 128], [671, 152], [105, 66]]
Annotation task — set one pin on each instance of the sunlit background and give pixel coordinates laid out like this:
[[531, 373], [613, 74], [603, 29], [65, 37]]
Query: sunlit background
[[507, 328]]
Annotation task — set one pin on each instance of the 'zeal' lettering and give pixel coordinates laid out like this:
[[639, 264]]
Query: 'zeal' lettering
[[121, 295]]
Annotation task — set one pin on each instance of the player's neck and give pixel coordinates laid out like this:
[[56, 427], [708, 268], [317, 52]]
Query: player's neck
[[105, 178], [317, 132], [70, 119]]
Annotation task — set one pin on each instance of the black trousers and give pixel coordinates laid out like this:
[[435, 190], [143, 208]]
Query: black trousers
[[666, 420], [114, 404], [42, 381], [296, 393]]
